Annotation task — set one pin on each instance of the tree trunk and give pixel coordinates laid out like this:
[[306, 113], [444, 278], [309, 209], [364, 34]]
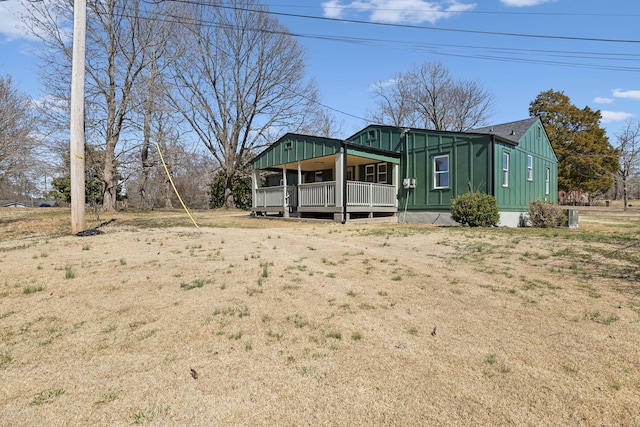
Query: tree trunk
[[146, 163], [110, 176], [168, 204], [625, 193], [229, 202]]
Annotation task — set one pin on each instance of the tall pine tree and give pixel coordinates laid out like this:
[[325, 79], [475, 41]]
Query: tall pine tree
[[586, 159]]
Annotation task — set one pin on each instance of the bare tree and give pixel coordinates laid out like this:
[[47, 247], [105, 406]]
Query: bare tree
[[629, 148], [428, 96], [16, 134], [322, 124], [117, 51], [240, 77], [394, 103], [160, 126]]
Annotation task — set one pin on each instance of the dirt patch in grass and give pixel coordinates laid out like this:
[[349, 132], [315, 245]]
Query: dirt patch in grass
[[260, 322]]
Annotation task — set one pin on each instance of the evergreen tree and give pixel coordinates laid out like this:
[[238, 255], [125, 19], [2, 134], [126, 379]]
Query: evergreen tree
[[586, 159], [241, 191]]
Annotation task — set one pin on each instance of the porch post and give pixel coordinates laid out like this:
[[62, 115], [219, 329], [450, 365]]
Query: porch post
[[394, 181], [285, 197], [255, 184], [339, 178], [298, 188]]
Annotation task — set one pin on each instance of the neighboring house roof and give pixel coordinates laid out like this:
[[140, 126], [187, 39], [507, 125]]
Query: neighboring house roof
[[28, 204], [14, 204], [511, 131]]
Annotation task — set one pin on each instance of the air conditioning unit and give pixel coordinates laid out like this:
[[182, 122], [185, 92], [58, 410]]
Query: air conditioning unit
[[572, 218]]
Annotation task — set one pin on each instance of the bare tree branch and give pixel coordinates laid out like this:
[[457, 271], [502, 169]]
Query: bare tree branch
[[428, 96], [238, 80]]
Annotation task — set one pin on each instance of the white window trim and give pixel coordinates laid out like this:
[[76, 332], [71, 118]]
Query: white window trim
[[436, 172], [529, 167], [369, 171], [547, 182], [505, 171], [381, 174], [350, 171]]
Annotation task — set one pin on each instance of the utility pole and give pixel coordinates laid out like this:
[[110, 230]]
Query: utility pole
[[76, 141]]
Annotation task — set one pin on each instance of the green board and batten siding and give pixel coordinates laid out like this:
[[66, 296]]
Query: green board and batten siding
[[293, 148], [468, 162], [520, 190], [475, 161]]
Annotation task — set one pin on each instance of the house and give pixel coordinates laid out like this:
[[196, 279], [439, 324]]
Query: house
[[409, 174]]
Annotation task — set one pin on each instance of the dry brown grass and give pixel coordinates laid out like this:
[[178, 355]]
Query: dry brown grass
[[315, 323]]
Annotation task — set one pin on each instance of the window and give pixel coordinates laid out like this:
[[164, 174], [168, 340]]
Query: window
[[505, 169], [382, 172], [350, 173], [529, 168], [369, 173], [547, 182], [441, 171]]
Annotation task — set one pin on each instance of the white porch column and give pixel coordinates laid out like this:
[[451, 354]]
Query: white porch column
[[394, 180], [285, 197], [339, 179], [299, 182], [255, 184]]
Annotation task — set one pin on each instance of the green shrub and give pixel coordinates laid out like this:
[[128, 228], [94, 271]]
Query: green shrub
[[546, 215], [241, 191], [475, 210]]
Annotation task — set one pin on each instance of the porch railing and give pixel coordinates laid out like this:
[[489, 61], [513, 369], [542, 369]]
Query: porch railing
[[321, 194], [274, 197], [370, 194]]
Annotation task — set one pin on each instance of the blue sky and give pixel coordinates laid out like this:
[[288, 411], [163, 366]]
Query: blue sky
[[516, 49]]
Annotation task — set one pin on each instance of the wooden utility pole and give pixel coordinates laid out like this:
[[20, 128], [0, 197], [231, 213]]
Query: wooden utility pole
[[76, 141]]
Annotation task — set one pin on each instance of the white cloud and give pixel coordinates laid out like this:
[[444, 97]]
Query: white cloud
[[397, 11], [601, 100], [627, 94], [383, 84], [332, 9], [615, 116], [10, 25], [524, 3], [51, 103]]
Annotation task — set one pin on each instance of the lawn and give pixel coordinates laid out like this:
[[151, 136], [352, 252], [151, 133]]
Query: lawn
[[250, 321]]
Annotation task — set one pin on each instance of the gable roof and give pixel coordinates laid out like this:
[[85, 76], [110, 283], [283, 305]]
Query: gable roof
[[294, 147], [511, 131]]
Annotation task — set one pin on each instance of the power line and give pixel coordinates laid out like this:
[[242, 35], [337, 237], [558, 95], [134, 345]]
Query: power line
[[466, 12], [490, 53], [493, 54], [419, 27]]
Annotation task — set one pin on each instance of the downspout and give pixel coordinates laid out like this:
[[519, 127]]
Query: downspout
[[493, 163], [344, 183], [405, 167]]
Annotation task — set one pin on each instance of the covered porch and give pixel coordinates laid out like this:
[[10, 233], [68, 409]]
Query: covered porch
[[312, 177]]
